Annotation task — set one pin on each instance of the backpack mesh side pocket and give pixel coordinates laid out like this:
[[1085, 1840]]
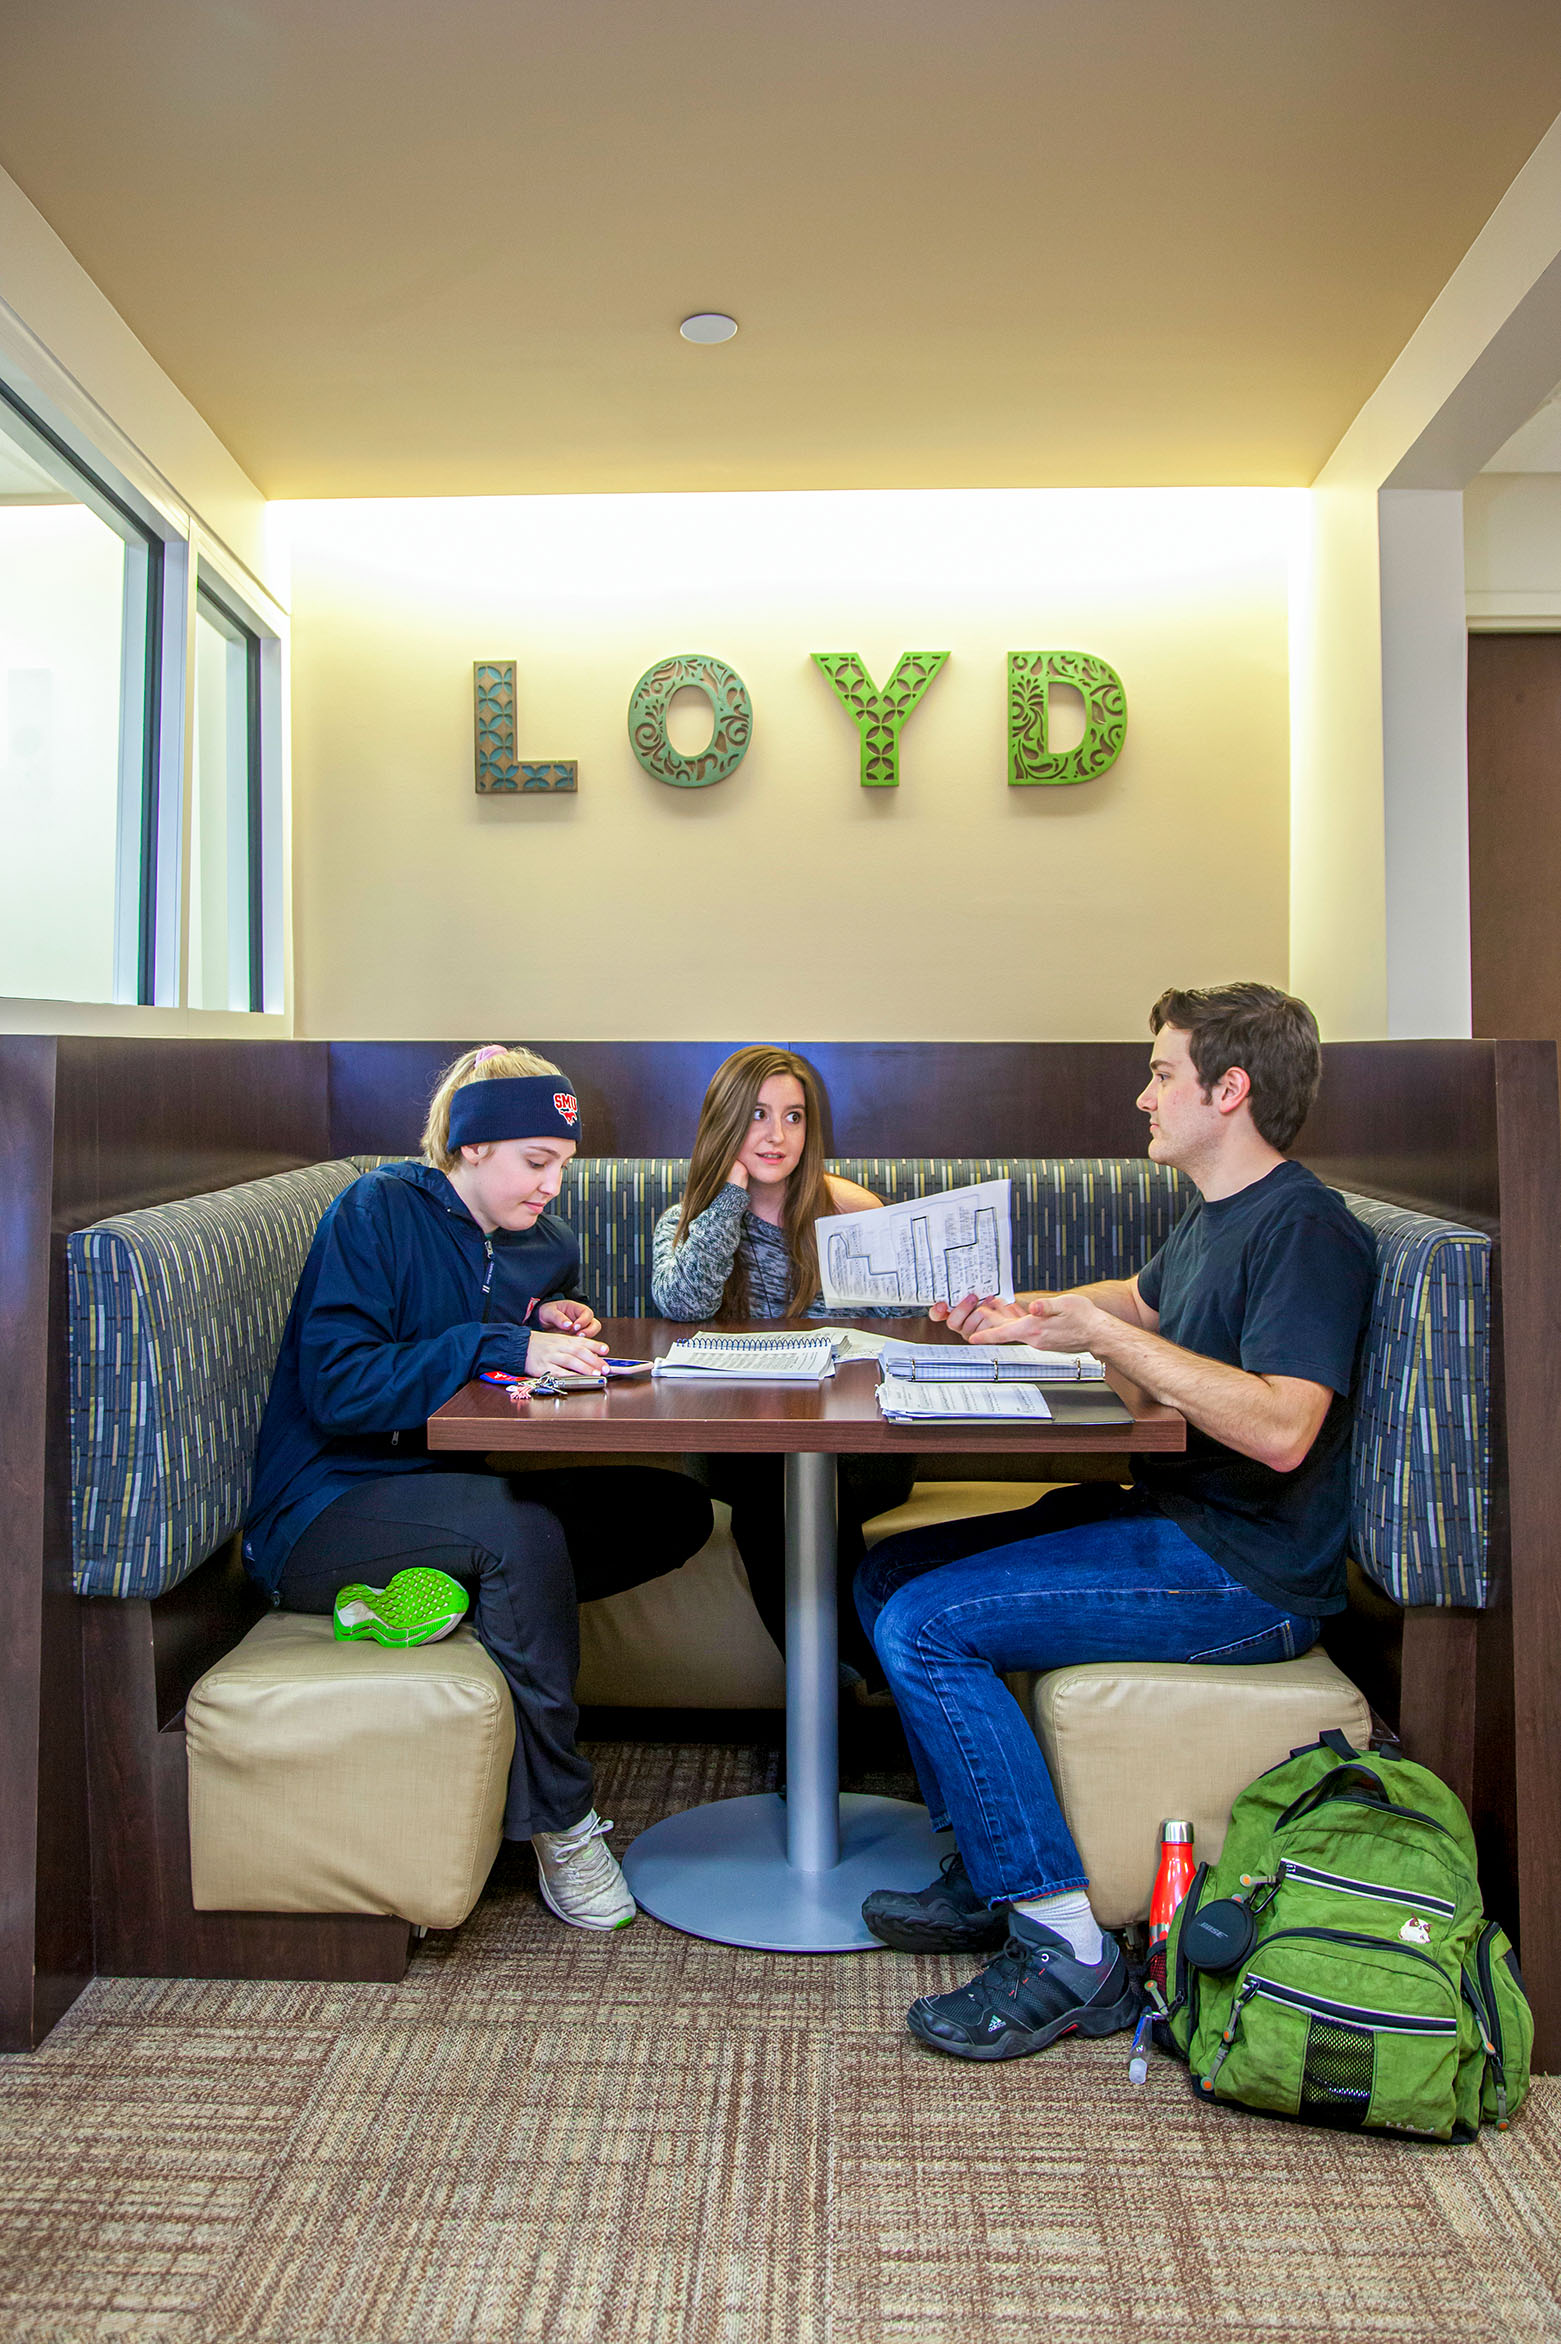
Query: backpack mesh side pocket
[[1340, 2068]]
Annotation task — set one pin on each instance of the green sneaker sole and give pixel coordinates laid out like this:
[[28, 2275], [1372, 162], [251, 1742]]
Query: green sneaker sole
[[418, 1607]]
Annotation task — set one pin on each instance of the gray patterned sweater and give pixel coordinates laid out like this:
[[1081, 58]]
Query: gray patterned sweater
[[687, 1281]]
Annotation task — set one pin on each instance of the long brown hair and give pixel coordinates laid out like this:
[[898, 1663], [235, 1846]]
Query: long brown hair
[[723, 1128]]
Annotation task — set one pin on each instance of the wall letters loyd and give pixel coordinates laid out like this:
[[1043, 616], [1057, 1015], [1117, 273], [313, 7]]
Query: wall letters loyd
[[879, 716]]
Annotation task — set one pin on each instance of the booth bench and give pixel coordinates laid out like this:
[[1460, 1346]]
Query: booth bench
[[266, 1802]]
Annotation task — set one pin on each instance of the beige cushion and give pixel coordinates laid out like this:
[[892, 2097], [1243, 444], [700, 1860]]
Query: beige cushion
[[931, 1502], [346, 1778], [1130, 1743], [688, 1640], [692, 1639]]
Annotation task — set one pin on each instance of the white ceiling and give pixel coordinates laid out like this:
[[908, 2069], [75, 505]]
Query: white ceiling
[[1536, 445], [399, 247]]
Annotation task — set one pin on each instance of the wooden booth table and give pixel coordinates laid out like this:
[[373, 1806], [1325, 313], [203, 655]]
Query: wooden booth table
[[786, 1875]]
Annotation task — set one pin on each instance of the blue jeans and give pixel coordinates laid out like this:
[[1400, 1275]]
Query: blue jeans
[[1090, 1573]]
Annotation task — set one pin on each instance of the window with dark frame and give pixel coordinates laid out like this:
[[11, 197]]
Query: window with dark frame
[[81, 674]]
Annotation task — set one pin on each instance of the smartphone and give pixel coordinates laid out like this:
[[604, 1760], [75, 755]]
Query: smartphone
[[569, 1383]]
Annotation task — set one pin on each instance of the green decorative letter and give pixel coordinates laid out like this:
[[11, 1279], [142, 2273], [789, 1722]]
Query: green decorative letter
[[499, 771], [1031, 675], [880, 715], [730, 704]]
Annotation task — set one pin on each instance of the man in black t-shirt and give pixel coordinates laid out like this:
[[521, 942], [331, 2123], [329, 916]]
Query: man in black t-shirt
[[1247, 1320]]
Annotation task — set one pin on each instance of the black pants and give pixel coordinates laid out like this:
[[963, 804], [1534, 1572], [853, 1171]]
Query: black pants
[[754, 1488], [532, 1549]]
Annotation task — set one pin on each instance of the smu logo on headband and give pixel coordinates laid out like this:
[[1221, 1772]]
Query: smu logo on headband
[[515, 1106]]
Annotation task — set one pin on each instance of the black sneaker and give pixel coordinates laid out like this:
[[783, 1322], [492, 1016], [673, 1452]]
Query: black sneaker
[[1036, 1990], [947, 1917]]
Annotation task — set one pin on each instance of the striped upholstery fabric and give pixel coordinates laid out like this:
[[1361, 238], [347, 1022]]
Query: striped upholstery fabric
[[1075, 1217], [176, 1317], [1421, 1466], [177, 1313]]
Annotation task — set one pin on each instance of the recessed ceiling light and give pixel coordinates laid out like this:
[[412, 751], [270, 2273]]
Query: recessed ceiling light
[[708, 325]]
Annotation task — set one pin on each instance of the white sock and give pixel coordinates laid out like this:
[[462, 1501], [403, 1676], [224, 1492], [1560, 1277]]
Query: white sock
[[1070, 1916]]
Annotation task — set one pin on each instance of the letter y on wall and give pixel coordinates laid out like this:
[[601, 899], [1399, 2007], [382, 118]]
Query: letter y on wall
[[879, 716]]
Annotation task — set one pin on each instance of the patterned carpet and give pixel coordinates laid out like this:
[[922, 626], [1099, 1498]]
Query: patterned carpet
[[656, 2141]]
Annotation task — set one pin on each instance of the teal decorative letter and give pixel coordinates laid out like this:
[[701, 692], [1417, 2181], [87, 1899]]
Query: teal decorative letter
[[880, 715], [498, 771], [1031, 675], [729, 702]]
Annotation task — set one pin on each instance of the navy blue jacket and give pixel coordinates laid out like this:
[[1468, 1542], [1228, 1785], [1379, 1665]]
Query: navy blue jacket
[[402, 1301]]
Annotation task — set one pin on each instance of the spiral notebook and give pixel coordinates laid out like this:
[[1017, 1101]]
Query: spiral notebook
[[1009, 1363], [755, 1359]]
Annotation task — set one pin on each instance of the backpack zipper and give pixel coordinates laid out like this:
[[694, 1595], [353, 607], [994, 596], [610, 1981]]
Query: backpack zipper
[[1324, 1792], [1393, 1945], [1495, 2048], [1290, 1869], [1353, 2014]]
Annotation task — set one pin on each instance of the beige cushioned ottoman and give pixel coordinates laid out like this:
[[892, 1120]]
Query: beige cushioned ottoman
[[1130, 1743], [347, 1778]]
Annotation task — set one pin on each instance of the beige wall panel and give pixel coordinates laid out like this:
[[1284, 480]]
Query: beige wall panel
[[786, 900]]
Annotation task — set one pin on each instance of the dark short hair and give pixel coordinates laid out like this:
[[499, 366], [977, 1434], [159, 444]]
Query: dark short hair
[[1270, 1035]]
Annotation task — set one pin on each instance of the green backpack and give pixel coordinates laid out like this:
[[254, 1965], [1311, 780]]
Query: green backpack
[[1336, 1965]]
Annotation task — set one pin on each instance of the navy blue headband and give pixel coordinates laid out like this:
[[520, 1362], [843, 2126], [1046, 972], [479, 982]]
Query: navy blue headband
[[514, 1106]]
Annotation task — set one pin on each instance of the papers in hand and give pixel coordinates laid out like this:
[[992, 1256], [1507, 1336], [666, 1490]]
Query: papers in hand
[[905, 1402], [930, 1249], [1007, 1363], [791, 1359]]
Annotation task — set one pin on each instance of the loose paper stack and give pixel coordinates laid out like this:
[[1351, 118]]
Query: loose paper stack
[[930, 1249], [905, 1402]]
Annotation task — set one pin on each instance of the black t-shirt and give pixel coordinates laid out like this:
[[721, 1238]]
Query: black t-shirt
[[1276, 1279]]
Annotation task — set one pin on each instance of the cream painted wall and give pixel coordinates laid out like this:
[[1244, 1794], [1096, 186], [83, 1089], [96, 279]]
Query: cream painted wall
[[1512, 550], [1338, 904], [787, 900]]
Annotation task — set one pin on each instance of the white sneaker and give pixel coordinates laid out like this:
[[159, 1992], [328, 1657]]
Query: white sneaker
[[579, 1877]]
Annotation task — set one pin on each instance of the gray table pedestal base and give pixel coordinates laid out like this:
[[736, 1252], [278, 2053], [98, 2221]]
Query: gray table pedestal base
[[789, 1875], [722, 1872]]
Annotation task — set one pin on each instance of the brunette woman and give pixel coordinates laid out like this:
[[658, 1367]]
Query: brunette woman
[[741, 1246], [421, 1276]]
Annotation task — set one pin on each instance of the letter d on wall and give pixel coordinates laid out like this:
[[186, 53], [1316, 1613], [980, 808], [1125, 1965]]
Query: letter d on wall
[[730, 706], [1031, 675]]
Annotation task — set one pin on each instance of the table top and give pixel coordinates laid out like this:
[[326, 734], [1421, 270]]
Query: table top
[[839, 1416]]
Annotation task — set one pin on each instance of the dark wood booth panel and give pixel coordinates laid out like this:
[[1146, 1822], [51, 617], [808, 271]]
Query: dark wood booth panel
[[93, 1857], [636, 1098], [89, 1127], [141, 1659], [885, 1098]]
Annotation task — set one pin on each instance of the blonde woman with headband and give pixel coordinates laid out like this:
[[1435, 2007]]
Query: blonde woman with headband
[[421, 1276], [741, 1246]]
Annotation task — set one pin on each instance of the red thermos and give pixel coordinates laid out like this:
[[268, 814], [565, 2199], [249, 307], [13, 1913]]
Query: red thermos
[[1172, 1880]]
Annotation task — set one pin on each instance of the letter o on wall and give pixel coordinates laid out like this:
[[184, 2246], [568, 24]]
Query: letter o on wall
[[730, 705]]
